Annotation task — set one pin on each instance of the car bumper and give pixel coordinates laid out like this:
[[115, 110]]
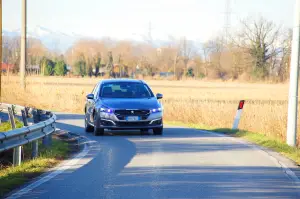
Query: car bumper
[[131, 127], [110, 121]]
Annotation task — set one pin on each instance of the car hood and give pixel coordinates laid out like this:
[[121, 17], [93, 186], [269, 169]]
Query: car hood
[[139, 103]]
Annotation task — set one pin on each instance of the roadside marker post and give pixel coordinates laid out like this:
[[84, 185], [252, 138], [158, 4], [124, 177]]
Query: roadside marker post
[[238, 115]]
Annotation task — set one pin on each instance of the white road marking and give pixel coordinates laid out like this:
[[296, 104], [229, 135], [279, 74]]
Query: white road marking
[[58, 170], [279, 163]]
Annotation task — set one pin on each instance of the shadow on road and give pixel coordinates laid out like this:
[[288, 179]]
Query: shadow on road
[[62, 117], [205, 182], [182, 163]]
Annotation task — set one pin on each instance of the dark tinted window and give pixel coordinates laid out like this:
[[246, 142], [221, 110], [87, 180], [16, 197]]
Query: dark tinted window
[[125, 90]]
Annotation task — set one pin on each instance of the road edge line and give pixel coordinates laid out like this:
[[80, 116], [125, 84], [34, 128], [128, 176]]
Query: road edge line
[[266, 151], [53, 172]]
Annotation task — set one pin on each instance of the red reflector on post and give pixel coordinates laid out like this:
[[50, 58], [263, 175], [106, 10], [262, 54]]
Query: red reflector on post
[[241, 104]]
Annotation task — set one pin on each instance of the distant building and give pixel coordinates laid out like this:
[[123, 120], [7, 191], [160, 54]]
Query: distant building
[[69, 68], [6, 67], [166, 74], [33, 69]]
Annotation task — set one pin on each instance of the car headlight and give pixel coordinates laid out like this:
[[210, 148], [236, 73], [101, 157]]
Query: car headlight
[[106, 109], [156, 110]]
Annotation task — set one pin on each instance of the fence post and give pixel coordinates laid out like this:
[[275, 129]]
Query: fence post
[[17, 150]]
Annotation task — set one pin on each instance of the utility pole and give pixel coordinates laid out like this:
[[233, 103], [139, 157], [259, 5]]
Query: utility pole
[[1, 51], [294, 75], [23, 46]]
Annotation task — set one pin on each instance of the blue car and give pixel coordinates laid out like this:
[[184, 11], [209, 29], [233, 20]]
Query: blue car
[[123, 104]]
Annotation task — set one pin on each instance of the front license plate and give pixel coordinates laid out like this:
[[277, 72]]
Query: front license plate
[[132, 118]]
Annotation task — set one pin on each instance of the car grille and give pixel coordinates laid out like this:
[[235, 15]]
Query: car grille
[[121, 114], [132, 112], [131, 124]]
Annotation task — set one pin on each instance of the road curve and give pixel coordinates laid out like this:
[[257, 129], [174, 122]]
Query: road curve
[[183, 163]]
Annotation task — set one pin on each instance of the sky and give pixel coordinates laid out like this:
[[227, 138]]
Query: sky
[[194, 19]]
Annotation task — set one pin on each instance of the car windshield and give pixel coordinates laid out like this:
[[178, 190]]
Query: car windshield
[[125, 90]]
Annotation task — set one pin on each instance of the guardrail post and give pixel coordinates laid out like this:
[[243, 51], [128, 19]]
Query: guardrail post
[[35, 144], [35, 149], [46, 141], [35, 116], [27, 112], [36, 119], [44, 116], [17, 150], [49, 136], [24, 118]]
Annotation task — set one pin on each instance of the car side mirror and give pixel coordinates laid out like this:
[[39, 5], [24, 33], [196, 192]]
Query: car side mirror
[[159, 96], [90, 96]]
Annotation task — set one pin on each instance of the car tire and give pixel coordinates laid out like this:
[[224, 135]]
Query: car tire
[[98, 131], [158, 131], [88, 128]]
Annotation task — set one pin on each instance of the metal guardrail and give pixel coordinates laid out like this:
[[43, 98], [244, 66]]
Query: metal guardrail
[[15, 138]]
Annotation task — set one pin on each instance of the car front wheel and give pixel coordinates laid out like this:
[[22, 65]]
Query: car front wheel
[[88, 127], [97, 131], [158, 131]]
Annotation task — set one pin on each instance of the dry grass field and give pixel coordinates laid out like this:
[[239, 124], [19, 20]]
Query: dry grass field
[[206, 103]]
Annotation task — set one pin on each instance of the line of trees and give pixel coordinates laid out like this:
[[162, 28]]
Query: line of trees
[[259, 50], [50, 67]]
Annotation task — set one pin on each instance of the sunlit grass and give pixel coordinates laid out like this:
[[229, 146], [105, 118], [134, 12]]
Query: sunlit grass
[[198, 102], [12, 177], [6, 126]]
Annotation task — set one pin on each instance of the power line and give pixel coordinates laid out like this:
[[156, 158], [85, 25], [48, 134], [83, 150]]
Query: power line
[[150, 33], [227, 20]]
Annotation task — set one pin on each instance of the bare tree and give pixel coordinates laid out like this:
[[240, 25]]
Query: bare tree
[[283, 69], [259, 37], [11, 52], [187, 50], [212, 51]]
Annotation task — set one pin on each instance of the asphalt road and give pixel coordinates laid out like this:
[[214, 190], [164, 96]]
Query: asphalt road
[[183, 163]]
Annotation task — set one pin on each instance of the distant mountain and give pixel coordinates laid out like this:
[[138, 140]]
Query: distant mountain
[[9, 33], [56, 40]]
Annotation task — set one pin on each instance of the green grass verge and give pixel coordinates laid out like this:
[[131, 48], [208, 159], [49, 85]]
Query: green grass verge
[[13, 177], [257, 138], [6, 126]]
